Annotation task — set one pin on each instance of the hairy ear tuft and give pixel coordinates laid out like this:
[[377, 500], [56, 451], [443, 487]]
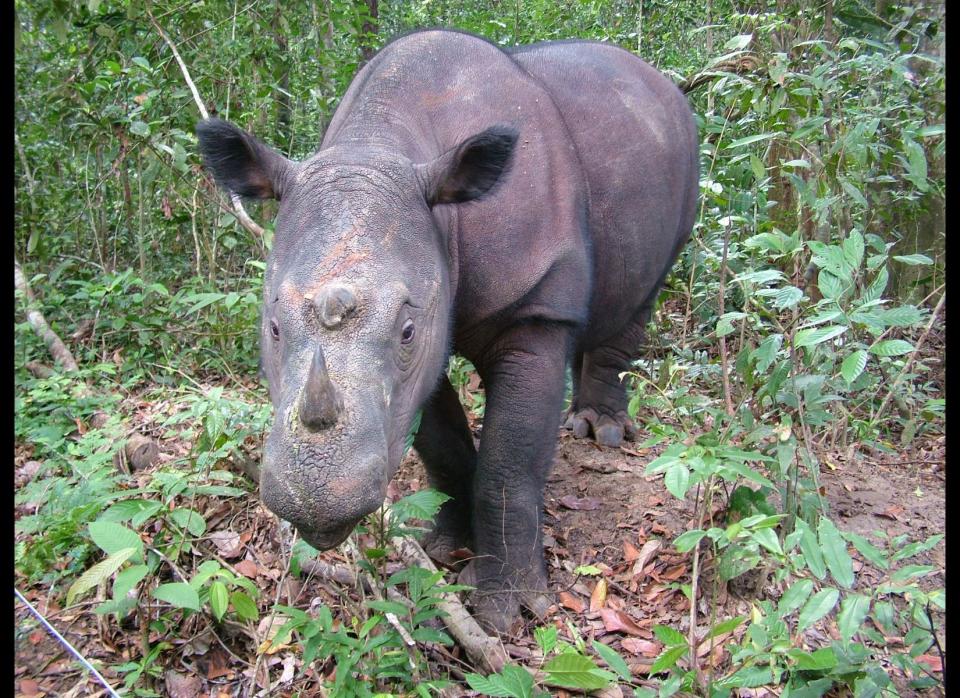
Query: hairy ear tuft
[[470, 170], [240, 163]]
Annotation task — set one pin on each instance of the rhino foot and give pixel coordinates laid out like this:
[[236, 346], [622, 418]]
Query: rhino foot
[[441, 544], [497, 605], [608, 430]]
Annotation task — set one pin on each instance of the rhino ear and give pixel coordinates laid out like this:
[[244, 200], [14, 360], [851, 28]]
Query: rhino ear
[[240, 163], [469, 170]]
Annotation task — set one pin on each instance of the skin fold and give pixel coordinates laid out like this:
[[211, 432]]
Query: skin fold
[[519, 208]]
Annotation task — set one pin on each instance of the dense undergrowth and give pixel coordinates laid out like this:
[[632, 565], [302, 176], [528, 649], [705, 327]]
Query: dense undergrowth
[[797, 322]]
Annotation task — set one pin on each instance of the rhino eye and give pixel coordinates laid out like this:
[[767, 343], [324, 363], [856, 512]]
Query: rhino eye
[[406, 335], [274, 329]]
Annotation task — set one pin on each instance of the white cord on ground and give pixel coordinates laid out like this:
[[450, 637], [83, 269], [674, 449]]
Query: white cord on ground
[[63, 641]]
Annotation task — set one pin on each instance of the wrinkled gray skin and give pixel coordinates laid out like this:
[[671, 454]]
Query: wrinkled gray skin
[[520, 209]]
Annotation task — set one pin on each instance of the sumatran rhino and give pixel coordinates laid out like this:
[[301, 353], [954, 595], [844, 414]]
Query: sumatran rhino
[[518, 207]]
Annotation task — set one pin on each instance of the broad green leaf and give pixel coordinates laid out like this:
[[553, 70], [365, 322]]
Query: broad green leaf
[[891, 347], [835, 553], [99, 573], [573, 670], [766, 353], [758, 168], [768, 539], [667, 659], [830, 286], [138, 128], [853, 248], [916, 548], [738, 43], [613, 660], [686, 541], [190, 520], [876, 288], [725, 626], [855, 194], [913, 259], [819, 660], [668, 636], [901, 316], [489, 685], [677, 479], [853, 611], [128, 578], [546, 638], [853, 365], [219, 599], [868, 550], [202, 300], [794, 597], [819, 605], [125, 510], [811, 550], [179, 595], [812, 337], [111, 537]]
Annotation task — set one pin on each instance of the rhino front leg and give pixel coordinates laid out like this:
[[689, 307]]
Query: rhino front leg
[[445, 445], [524, 377]]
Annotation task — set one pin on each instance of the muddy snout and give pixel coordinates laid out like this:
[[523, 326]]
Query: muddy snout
[[325, 511]]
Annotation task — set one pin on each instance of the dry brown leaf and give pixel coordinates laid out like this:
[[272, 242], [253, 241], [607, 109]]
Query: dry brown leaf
[[569, 601], [228, 543], [248, 568], [646, 552], [636, 645], [29, 687], [181, 686], [932, 661], [598, 599], [674, 573], [630, 553], [618, 621]]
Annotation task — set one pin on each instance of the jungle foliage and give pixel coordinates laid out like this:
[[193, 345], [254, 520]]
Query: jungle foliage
[[795, 321]]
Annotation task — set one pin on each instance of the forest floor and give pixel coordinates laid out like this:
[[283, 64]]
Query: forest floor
[[600, 510]]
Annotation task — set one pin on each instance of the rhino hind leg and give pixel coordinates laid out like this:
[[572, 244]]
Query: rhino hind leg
[[599, 405], [445, 445]]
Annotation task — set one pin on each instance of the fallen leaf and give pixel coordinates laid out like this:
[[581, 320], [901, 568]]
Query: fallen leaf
[[646, 552], [598, 598], [618, 621], [180, 686], [29, 687], [248, 568], [636, 645], [674, 573], [580, 504], [630, 553], [892, 512], [654, 501], [228, 543], [931, 661], [574, 603]]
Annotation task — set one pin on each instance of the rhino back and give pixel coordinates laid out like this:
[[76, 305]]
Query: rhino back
[[520, 252], [637, 143]]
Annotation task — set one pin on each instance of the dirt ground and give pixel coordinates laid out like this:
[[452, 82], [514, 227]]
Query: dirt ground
[[600, 510]]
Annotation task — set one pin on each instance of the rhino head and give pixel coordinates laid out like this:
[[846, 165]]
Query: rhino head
[[355, 324]]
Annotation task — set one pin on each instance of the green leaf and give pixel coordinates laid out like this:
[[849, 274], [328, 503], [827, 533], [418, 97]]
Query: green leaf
[[127, 579], [913, 259], [677, 480], [819, 605], [613, 660], [853, 611], [138, 128], [394, 607], [738, 43], [830, 286], [835, 553], [811, 550], [190, 520], [667, 659], [687, 540], [766, 353], [725, 626], [112, 537], [573, 670], [756, 138], [99, 573], [794, 597], [668, 636], [219, 599], [768, 539], [546, 638], [489, 685], [901, 316], [244, 606], [917, 548], [891, 347], [819, 660], [853, 365], [179, 595], [855, 194], [868, 550], [811, 337]]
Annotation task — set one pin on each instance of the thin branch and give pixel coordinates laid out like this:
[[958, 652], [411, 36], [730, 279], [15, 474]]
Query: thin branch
[[238, 209], [57, 348]]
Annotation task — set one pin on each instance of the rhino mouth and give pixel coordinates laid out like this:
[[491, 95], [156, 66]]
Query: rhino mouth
[[329, 538]]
